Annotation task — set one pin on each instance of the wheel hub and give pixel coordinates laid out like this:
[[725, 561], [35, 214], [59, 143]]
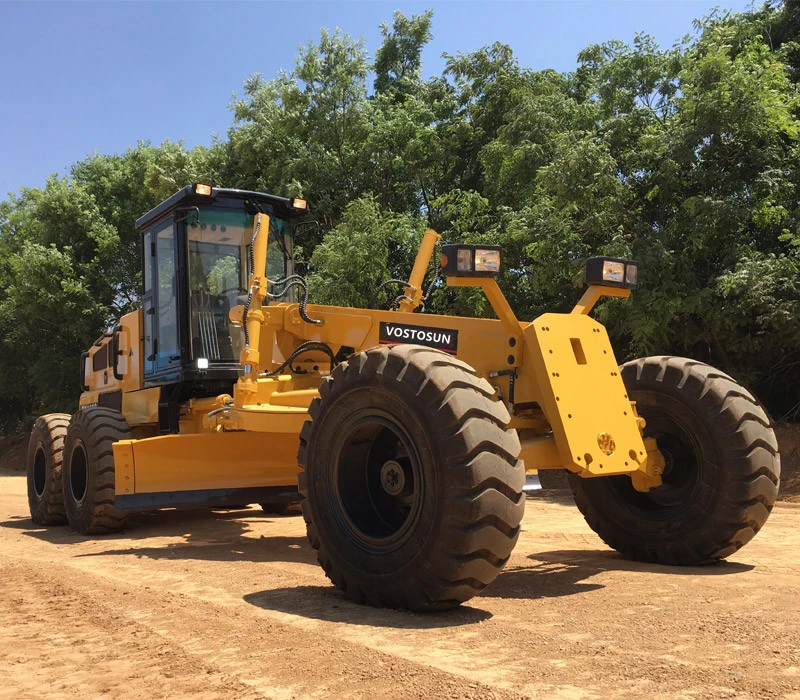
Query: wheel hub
[[79, 474], [669, 462], [393, 478], [378, 482], [39, 473]]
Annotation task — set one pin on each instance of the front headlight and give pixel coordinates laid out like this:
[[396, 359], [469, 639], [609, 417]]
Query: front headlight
[[632, 274], [612, 272], [464, 260], [487, 260], [470, 260]]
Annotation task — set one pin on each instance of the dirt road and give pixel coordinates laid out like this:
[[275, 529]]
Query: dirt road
[[233, 605]]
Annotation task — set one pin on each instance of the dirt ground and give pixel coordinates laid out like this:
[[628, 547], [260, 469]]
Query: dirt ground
[[789, 442], [233, 605]]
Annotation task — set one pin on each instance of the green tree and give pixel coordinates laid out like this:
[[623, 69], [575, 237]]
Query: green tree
[[398, 61], [685, 159], [367, 248], [303, 132]]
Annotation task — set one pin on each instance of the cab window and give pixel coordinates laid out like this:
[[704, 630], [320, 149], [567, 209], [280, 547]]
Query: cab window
[[218, 242]]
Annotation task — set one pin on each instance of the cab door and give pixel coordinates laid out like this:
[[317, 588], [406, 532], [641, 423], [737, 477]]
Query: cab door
[[148, 308], [160, 302]]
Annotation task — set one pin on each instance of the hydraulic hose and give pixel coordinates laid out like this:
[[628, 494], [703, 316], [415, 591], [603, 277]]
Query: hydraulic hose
[[299, 350], [296, 281], [374, 298]]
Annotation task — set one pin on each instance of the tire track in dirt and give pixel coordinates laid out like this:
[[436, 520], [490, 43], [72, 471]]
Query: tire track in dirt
[[60, 641], [131, 633]]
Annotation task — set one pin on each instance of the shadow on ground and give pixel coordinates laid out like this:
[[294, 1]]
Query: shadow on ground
[[203, 535], [550, 575], [226, 536], [331, 605], [565, 572]]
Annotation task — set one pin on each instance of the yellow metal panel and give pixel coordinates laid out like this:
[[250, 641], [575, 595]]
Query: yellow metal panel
[[138, 410], [88, 398], [124, 472], [141, 407], [483, 343], [212, 461], [261, 419], [300, 398], [272, 419], [583, 396], [344, 326], [130, 362], [539, 451]]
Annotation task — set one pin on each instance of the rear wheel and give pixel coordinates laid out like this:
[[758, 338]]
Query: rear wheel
[[721, 476], [89, 470], [413, 490], [44, 464]]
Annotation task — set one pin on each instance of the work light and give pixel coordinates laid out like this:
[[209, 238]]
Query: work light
[[612, 272], [465, 260]]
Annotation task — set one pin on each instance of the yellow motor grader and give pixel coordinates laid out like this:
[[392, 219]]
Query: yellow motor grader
[[406, 436]]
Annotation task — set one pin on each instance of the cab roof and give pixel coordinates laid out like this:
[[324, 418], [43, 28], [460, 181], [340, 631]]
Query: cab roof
[[188, 197]]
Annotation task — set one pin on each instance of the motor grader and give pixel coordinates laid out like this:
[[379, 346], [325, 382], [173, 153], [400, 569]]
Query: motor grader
[[407, 436]]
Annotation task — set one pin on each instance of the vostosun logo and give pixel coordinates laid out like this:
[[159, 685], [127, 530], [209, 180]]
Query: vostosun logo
[[440, 338]]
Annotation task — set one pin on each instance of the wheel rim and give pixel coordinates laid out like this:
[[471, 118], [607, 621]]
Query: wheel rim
[[683, 471], [39, 472], [377, 487], [78, 473]]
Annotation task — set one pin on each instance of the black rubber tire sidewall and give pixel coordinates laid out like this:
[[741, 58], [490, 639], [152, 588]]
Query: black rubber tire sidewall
[[47, 443], [94, 430], [418, 542]]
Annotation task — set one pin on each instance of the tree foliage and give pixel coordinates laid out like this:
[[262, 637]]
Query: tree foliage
[[685, 158]]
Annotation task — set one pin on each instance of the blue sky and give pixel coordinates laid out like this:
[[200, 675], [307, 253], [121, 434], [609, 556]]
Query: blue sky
[[100, 76]]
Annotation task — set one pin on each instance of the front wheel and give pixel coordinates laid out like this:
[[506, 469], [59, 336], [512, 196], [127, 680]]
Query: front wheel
[[721, 475], [413, 489]]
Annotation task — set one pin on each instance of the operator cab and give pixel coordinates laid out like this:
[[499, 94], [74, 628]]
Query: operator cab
[[196, 248]]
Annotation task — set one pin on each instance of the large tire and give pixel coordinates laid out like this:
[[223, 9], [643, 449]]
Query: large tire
[[722, 468], [412, 486], [44, 464], [89, 470]]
